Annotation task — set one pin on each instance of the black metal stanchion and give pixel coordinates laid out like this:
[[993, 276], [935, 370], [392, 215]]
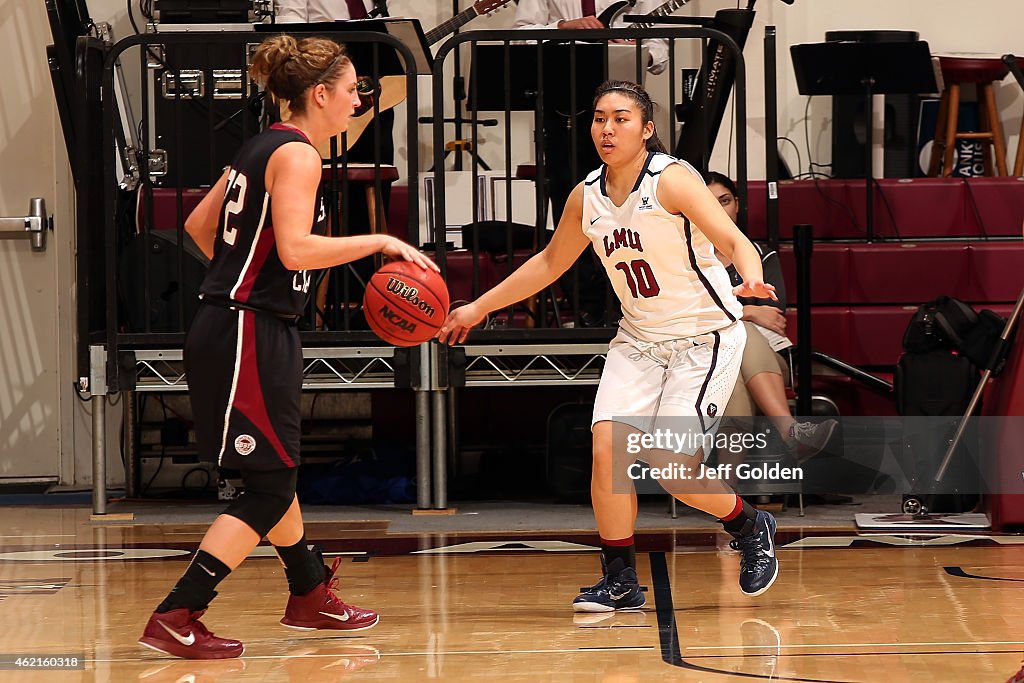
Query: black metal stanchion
[[771, 136], [803, 245]]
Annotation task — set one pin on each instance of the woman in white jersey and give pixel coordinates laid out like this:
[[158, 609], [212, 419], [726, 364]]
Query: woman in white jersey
[[655, 226]]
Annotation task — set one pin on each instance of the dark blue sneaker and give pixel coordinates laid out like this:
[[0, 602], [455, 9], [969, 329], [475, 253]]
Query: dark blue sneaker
[[758, 565], [618, 589]]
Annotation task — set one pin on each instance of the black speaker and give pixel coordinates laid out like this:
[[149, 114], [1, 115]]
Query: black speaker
[[203, 11], [203, 108], [570, 452], [173, 293], [850, 130]]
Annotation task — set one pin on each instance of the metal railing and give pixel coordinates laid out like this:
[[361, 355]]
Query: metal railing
[[121, 354]]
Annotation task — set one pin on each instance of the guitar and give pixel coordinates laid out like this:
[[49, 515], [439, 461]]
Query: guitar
[[479, 9], [390, 90], [617, 8]]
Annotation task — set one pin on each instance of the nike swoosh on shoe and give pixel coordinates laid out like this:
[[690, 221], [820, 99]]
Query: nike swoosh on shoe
[[186, 641], [339, 617]]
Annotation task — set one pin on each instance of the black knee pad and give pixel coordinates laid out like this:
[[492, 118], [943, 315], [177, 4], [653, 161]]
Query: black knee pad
[[266, 498]]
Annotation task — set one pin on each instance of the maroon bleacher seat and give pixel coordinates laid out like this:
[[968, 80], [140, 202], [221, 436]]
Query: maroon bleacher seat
[[827, 205], [906, 272], [904, 208], [830, 273], [165, 207], [922, 207], [1000, 205], [830, 329], [876, 334], [1004, 396], [997, 271], [398, 212], [459, 275]]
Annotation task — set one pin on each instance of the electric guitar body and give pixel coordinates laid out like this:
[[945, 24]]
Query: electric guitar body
[[614, 10]]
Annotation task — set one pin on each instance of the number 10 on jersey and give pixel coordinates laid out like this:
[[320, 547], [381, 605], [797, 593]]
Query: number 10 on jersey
[[639, 278]]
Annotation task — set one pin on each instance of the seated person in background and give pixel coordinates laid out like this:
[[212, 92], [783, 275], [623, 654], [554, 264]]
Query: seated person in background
[[598, 305], [760, 387], [315, 11]]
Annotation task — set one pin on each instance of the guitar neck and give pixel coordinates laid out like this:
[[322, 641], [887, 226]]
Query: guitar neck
[[452, 25], [663, 10]]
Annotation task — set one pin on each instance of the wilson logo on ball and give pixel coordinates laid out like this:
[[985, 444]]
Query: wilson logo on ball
[[396, 319], [410, 294]]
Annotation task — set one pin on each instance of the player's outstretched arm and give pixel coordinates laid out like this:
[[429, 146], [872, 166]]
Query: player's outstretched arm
[[537, 273], [680, 191], [293, 175]]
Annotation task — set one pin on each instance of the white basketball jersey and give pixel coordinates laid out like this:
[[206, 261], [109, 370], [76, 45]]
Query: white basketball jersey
[[663, 268]]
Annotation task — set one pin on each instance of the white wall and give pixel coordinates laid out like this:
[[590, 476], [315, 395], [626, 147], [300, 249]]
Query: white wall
[[30, 363], [45, 430]]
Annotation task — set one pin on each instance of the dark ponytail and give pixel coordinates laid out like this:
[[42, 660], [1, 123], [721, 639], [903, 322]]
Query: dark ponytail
[[643, 102]]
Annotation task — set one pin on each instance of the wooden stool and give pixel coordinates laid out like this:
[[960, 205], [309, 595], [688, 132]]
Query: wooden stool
[[1018, 166], [367, 176], [957, 71]]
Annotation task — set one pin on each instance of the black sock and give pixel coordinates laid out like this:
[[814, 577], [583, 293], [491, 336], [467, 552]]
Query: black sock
[[625, 554], [741, 523], [195, 588], [303, 567]]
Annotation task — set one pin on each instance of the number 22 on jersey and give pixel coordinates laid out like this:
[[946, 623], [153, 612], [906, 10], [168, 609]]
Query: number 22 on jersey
[[234, 202]]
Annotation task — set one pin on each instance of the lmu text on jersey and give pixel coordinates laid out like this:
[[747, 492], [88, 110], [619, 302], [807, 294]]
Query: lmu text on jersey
[[622, 238]]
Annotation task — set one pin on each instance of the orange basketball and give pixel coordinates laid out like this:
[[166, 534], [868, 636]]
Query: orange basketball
[[405, 304]]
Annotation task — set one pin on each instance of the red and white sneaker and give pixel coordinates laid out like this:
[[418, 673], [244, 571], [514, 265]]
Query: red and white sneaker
[[181, 634], [321, 609]]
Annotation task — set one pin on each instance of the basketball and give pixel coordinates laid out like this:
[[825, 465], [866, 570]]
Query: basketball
[[405, 304]]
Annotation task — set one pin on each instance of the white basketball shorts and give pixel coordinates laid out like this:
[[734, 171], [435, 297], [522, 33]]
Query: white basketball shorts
[[645, 384]]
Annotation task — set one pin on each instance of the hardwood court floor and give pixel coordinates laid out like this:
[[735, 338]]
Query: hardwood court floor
[[473, 607]]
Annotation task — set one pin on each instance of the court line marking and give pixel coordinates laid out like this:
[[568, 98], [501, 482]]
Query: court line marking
[[907, 539], [828, 645], [959, 572], [40, 536], [669, 634], [425, 653], [927, 653]]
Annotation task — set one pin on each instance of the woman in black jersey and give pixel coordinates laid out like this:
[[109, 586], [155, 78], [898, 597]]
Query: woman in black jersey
[[262, 224]]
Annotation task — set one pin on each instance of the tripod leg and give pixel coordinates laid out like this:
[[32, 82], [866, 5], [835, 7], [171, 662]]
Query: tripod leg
[[940, 132], [1011, 323]]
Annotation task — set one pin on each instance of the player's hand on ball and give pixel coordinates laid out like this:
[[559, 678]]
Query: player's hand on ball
[[756, 289], [397, 249], [459, 322]]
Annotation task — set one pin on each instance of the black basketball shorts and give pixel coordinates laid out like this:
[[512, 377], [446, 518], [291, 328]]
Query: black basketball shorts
[[244, 372]]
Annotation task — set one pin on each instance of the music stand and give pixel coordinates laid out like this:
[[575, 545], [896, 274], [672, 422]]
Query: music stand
[[854, 68], [487, 87], [487, 78]]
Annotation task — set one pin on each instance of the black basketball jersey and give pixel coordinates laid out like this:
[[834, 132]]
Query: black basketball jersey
[[246, 267]]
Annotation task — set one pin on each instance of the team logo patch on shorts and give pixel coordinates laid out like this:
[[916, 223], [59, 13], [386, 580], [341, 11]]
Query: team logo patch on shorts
[[245, 444], [712, 410]]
